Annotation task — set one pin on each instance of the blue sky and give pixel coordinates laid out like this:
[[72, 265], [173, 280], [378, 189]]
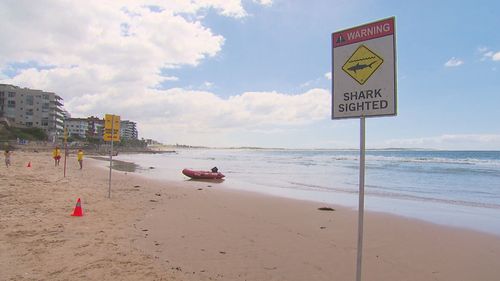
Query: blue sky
[[255, 73]]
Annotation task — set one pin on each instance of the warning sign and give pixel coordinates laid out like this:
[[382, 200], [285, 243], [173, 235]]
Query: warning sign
[[364, 71], [362, 64], [111, 127]]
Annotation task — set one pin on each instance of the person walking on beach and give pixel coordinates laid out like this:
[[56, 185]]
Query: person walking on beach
[[56, 154], [7, 154], [79, 157]]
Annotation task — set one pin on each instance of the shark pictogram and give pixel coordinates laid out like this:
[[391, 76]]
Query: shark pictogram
[[362, 64]]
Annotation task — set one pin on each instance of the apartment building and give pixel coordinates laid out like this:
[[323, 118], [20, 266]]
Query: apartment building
[[27, 108], [93, 128], [96, 127], [128, 130], [78, 127]]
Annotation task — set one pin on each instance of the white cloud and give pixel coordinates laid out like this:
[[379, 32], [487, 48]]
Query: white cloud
[[454, 62], [201, 110], [488, 54], [109, 57], [96, 47], [208, 84], [193, 116], [496, 56], [91, 37], [62, 32], [482, 49], [231, 8], [315, 83], [170, 78], [264, 2], [306, 84]]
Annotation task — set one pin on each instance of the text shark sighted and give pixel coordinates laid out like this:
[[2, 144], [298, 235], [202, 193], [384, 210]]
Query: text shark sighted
[[363, 100]]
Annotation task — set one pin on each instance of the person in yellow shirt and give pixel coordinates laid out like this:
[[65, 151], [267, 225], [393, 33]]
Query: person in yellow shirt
[[79, 157], [56, 154]]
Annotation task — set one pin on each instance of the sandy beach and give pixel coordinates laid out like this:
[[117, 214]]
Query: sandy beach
[[191, 230]]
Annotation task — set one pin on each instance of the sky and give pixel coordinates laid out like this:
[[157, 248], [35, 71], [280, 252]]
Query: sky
[[233, 73]]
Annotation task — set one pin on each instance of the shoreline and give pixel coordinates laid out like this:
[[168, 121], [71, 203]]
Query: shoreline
[[473, 217], [160, 230]]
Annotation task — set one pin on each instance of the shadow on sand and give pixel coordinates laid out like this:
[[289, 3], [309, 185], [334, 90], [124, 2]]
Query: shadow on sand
[[207, 180]]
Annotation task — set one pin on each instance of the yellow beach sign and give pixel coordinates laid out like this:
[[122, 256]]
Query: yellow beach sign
[[111, 127]]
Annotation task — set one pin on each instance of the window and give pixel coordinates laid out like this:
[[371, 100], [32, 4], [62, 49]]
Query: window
[[29, 124], [29, 111], [2, 94], [45, 121], [45, 96], [11, 103], [11, 94], [29, 100]]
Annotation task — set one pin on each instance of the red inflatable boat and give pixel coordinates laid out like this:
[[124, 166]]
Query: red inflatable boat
[[207, 175]]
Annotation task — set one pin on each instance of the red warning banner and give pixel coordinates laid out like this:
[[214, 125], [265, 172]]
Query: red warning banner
[[363, 32]]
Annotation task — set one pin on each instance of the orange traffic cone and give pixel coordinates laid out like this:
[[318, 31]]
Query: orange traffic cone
[[78, 209], [29, 164]]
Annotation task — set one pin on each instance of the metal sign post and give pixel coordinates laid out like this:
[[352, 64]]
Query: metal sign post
[[364, 85], [361, 206]]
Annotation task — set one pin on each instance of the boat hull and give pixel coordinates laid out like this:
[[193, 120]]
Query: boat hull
[[208, 175]]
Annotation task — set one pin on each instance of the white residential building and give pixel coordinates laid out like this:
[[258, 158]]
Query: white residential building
[[128, 130], [27, 108]]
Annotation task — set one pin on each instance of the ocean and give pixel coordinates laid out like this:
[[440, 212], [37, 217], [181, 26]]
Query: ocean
[[454, 188]]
